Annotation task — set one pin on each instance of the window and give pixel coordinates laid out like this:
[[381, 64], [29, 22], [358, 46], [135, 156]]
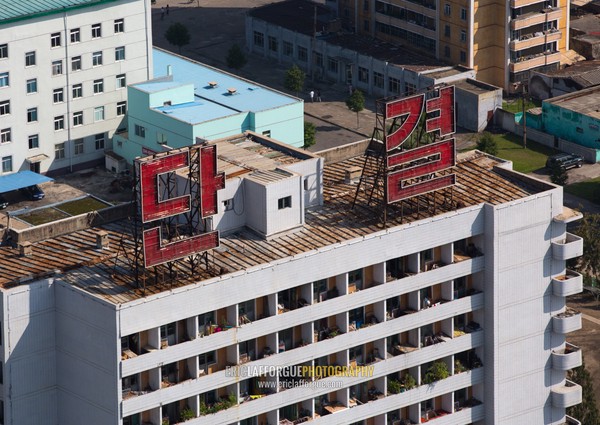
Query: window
[[447, 30], [363, 75], [32, 86], [5, 135], [332, 65], [99, 113], [267, 133], [76, 63], [120, 53], [7, 164], [96, 58], [121, 108], [140, 131], [34, 141], [161, 138], [3, 79], [32, 115], [463, 14], [463, 36], [273, 44], [318, 59], [463, 56], [394, 85], [302, 54], [366, 25], [75, 35], [259, 39], [99, 139], [77, 91], [284, 202], [59, 151], [288, 49], [447, 51], [58, 95], [119, 26], [96, 30], [30, 59], [55, 39], [77, 118], [579, 130], [78, 146], [98, 86], [228, 204], [378, 80], [410, 88], [57, 67], [447, 10], [59, 123], [355, 277], [3, 51], [5, 107], [121, 81]]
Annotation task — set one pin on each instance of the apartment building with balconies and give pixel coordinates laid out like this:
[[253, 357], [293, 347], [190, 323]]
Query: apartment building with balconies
[[64, 70], [454, 310], [502, 40]]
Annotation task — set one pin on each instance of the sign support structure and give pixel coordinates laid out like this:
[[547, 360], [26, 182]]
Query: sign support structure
[[409, 160]]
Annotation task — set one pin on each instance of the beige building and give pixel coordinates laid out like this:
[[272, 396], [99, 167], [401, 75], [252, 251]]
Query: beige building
[[502, 40]]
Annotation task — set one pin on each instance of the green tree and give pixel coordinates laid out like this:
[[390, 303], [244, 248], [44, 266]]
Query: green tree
[[236, 59], [178, 35], [309, 134], [294, 79], [587, 411], [487, 144], [356, 103], [589, 230], [436, 372], [558, 175]]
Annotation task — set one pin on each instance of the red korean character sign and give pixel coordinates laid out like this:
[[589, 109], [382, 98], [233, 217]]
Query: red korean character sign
[[413, 172], [154, 208]]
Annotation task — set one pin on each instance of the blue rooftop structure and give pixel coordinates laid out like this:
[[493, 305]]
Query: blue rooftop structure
[[187, 100], [20, 180]]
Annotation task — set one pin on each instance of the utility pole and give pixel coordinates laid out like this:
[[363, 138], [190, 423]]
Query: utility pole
[[524, 116]]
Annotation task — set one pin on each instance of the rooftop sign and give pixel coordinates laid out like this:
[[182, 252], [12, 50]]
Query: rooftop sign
[[159, 201], [412, 172]]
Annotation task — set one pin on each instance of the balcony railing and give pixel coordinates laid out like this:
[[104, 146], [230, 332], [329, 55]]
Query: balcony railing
[[566, 395], [570, 247], [567, 284], [533, 61], [566, 358], [522, 3], [535, 39], [567, 321], [535, 18]]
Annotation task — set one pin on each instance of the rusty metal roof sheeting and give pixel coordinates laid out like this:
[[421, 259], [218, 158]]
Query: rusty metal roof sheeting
[[107, 272]]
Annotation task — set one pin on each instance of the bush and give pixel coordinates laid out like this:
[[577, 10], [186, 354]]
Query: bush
[[309, 134], [394, 386], [294, 79], [558, 175], [236, 58], [409, 382], [488, 144], [186, 415], [436, 372]]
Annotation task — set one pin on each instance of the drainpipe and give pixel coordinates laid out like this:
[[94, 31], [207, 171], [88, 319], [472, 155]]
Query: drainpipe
[[68, 91]]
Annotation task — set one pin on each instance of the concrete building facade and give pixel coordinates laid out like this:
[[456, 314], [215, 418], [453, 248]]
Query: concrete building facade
[[453, 289], [64, 70]]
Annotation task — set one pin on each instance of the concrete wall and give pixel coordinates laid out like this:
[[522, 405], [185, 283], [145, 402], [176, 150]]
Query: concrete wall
[[590, 155], [344, 152], [473, 108], [87, 356]]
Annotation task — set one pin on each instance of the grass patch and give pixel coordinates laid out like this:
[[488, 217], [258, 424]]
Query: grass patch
[[589, 190], [45, 215], [82, 206], [524, 160], [516, 105]]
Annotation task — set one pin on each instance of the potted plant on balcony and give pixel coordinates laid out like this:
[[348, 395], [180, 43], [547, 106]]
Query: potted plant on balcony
[[409, 382], [394, 386], [437, 371], [458, 366], [186, 414]]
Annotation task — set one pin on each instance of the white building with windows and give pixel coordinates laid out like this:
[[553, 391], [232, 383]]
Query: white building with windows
[[456, 307], [64, 68]]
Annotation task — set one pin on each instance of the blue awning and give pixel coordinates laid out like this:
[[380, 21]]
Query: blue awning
[[20, 180]]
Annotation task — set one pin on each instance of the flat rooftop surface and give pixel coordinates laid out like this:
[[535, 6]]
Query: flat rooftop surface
[[248, 95], [11, 10], [106, 273], [585, 102]]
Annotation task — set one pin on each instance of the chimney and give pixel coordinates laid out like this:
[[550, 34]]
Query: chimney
[[169, 70], [101, 239], [352, 175], [25, 249]]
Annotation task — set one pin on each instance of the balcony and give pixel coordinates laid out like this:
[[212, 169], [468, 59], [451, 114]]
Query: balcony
[[535, 18], [570, 247], [566, 395], [533, 61], [522, 3], [567, 321], [567, 284], [535, 39], [566, 358], [571, 421]]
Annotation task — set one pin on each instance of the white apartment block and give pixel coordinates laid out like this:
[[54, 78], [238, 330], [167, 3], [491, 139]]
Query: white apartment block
[[475, 285], [64, 70]]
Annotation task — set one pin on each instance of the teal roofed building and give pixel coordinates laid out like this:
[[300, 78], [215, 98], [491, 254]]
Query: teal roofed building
[[188, 100]]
